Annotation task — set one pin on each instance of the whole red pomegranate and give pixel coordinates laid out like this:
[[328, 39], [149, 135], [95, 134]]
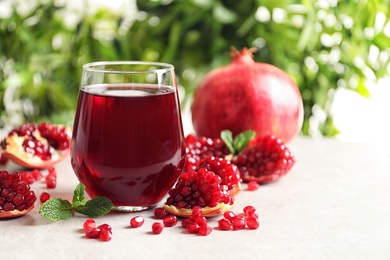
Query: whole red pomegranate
[[247, 95]]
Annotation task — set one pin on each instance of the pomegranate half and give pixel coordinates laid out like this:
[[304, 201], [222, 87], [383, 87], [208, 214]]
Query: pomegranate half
[[247, 95], [37, 146]]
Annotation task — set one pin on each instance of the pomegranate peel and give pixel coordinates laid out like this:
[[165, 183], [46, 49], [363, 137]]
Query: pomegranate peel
[[15, 213]]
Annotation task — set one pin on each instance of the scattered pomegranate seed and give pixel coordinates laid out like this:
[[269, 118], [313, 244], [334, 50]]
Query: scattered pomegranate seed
[[229, 215], [238, 224], [92, 233], [186, 221], [201, 221], [224, 224], [105, 232], [252, 223], [170, 221], [51, 181], [157, 228], [193, 228], [253, 185], [137, 222], [89, 224], [205, 230], [44, 197], [37, 174], [160, 213], [28, 177], [52, 171]]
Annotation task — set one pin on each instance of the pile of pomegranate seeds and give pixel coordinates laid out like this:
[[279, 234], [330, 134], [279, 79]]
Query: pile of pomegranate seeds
[[196, 223], [102, 232], [249, 218]]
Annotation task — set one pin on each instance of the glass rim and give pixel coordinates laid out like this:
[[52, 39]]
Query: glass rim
[[161, 67]]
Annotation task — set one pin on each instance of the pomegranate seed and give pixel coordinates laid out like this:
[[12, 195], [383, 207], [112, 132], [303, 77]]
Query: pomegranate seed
[[193, 228], [28, 177], [52, 171], [170, 221], [196, 212], [8, 206], [229, 215], [252, 223], [224, 224], [157, 228], [205, 230], [89, 224], [137, 222], [51, 181], [160, 213], [18, 200], [44, 197], [238, 224], [253, 185], [93, 233], [105, 232], [249, 211], [186, 221], [37, 174], [201, 221]]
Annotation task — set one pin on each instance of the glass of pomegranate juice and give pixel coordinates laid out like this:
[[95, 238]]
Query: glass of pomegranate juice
[[128, 141]]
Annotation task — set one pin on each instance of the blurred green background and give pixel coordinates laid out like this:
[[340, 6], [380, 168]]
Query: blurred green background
[[324, 45]]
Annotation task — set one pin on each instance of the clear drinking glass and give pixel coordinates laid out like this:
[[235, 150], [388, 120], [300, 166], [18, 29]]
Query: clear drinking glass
[[128, 140]]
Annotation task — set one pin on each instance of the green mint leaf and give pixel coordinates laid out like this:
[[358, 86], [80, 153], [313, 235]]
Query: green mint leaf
[[242, 140], [78, 196], [95, 207], [227, 137], [56, 209]]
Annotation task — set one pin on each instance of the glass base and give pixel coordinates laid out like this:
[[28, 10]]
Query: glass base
[[130, 208]]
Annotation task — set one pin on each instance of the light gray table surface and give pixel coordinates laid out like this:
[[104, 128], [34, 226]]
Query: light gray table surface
[[334, 204]]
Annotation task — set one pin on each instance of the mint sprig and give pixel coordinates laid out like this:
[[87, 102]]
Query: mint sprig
[[237, 144], [56, 209]]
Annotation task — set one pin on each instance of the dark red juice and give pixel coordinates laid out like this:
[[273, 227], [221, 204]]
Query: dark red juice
[[127, 142]]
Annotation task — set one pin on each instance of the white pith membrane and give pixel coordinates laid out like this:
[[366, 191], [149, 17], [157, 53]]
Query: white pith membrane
[[219, 209]]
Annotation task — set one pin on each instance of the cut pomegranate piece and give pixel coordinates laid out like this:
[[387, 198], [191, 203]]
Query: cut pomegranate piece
[[16, 198], [264, 160], [201, 188], [37, 146]]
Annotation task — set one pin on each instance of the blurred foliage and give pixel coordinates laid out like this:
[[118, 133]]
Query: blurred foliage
[[323, 45]]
